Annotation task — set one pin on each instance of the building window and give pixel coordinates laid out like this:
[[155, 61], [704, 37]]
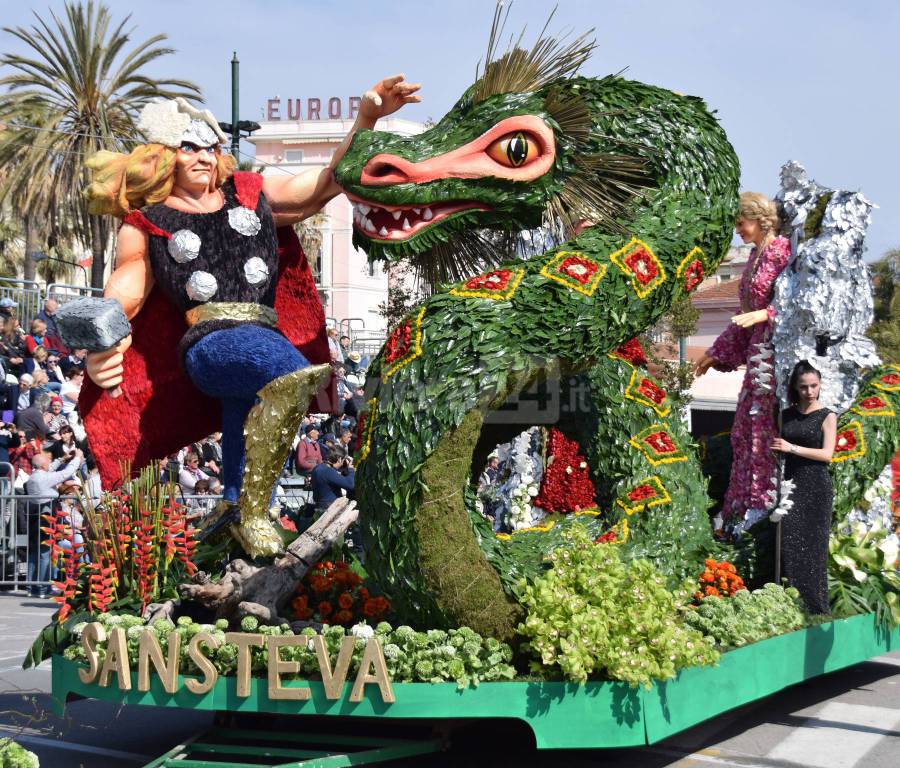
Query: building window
[[293, 156]]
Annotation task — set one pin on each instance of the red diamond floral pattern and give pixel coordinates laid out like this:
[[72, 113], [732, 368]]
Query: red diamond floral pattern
[[873, 406], [642, 389], [497, 284], [849, 443], [649, 492], [638, 261], [575, 270], [404, 344], [364, 430], [657, 445], [691, 271]]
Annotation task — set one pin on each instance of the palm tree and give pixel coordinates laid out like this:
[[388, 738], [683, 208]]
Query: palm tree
[[78, 90]]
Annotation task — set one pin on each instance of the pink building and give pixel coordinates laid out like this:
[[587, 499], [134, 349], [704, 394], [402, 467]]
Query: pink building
[[350, 287]]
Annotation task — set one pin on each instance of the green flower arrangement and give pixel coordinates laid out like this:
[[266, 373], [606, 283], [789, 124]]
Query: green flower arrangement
[[434, 656], [748, 617], [592, 613], [14, 755]]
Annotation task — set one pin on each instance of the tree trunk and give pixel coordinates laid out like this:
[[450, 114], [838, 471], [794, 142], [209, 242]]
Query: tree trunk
[[263, 592], [32, 244], [98, 252]]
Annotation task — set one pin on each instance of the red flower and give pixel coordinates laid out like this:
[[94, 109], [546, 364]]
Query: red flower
[[873, 403], [497, 280], [653, 392], [891, 379], [642, 492], [661, 442], [642, 265], [578, 269], [633, 352], [845, 441], [607, 538], [342, 617], [566, 486], [324, 609], [345, 601], [361, 426], [693, 275], [400, 342]]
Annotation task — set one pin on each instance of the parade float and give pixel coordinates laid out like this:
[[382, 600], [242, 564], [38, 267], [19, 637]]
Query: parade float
[[603, 612]]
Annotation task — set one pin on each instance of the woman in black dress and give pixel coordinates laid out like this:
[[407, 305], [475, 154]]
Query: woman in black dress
[[807, 438]]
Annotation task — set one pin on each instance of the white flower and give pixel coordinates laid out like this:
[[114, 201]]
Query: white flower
[[568, 470], [583, 465], [363, 630]]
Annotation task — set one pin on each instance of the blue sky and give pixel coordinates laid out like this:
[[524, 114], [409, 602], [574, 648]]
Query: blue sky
[[796, 79]]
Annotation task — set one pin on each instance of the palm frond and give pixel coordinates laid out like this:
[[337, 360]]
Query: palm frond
[[518, 70]]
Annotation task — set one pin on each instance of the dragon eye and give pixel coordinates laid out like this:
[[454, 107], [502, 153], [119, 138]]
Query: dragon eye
[[514, 150]]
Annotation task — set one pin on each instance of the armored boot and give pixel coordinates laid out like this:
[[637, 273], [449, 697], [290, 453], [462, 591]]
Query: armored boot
[[268, 433]]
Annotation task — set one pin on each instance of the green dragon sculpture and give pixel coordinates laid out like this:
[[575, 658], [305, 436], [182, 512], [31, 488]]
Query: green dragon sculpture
[[530, 141]]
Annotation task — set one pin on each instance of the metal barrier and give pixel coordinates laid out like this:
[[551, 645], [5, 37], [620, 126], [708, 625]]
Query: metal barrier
[[26, 294], [24, 549], [63, 292]]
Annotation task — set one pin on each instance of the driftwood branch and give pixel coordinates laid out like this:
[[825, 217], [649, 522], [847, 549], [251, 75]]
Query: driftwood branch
[[263, 592]]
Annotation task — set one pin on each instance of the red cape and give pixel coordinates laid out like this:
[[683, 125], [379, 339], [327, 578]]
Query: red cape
[[160, 411]]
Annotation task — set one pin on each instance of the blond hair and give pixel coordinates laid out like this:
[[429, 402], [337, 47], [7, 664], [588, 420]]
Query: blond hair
[[124, 183], [755, 206]]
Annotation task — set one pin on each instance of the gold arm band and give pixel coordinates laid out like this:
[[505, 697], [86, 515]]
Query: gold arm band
[[232, 310]]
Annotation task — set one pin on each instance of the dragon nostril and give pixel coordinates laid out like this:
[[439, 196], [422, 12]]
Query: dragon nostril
[[386, 169]]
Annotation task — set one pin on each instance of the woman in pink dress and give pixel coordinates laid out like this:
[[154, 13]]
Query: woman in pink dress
[[747, 341]]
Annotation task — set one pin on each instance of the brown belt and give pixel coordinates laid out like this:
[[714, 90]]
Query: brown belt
[[240, 311]]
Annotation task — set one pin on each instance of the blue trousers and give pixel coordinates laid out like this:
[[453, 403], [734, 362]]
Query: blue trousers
[[232, 365]]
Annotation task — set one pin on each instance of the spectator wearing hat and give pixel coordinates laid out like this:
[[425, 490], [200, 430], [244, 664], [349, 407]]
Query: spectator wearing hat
[[57, 418], [352, 361], [326, 442], [7, 307], [309, 453]]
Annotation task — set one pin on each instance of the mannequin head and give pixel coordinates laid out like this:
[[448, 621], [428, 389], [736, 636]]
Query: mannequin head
[[757, 219]]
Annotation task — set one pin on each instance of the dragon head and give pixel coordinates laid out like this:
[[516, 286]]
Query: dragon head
[[525, 145]]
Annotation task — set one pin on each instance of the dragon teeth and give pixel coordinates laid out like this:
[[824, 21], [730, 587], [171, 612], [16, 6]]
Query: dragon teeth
[[427, 215], [417, 211], [363, 208], [406, 226], [368, 225], [396, 215], [382, 232]]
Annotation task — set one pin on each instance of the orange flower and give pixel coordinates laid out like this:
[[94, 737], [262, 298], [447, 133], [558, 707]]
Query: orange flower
[[345, 601], [300, 602], [362, 594], [304, 615], [324, 609]]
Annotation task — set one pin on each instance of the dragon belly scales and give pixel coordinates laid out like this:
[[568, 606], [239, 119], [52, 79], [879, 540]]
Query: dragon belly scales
[[656, 175]]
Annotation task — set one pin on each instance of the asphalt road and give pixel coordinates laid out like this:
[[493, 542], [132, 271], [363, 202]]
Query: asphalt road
[[842, 720]]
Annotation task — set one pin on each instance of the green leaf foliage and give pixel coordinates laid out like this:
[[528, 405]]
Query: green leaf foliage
[[748, 617], [594, 614]]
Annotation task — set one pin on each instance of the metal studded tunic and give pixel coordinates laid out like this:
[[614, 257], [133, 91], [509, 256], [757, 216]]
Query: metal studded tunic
[[229, 255]]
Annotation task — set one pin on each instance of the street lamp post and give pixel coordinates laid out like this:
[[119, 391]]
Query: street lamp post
[[40, 256], [237, 128]]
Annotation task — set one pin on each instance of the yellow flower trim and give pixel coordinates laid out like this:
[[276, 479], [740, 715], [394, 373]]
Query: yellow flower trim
[[547, 525], [857, 430], [416, 347], [662, 410], [371, 407], [518, 274], [588, 288], [637, 442], [618, 258], [641, 505]]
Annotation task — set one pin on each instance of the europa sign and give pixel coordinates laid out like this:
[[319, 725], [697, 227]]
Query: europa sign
[[316, 109], [372, 667]]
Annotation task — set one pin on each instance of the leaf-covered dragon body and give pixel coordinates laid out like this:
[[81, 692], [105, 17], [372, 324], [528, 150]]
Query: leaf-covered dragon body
[[654, 175]]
